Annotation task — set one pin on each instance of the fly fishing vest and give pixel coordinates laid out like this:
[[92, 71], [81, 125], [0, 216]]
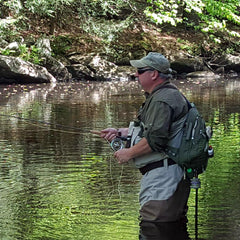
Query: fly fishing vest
[[175, 101], [135, 133]]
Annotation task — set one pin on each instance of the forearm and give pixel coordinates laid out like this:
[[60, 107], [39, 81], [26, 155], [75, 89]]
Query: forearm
[[139, 149]]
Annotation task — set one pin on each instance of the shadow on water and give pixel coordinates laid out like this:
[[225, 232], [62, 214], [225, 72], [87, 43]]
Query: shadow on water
[[58, 181]]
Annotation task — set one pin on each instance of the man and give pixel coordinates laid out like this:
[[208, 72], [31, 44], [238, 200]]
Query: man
[[164, 191]]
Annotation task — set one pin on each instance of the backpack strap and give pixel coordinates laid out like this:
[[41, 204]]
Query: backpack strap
[[174, 87]]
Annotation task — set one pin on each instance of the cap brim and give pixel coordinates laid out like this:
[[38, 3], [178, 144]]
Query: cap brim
[[138, 64]]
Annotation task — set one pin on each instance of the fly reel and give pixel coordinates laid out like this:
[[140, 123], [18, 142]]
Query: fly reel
[[117, 144]]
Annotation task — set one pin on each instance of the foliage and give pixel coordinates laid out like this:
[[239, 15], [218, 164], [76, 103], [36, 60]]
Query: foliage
[[91, 13], [107, 30], [14, 5], [31, 54], [39, 7], [61, 44], [214, 17], [7, 28], [105, 19], [99, 8], [163, 12], [47, 8]]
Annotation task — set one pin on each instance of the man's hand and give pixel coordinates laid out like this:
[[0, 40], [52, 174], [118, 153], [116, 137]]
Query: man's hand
[[123, 155], [126, 154], [109, 134]]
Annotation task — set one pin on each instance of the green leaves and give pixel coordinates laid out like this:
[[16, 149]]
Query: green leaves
[[31, 53], [164, 12], [104, 20], [46, 7], [210, 16]]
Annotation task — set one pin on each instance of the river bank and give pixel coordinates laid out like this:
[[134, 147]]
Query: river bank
[[84, 58]]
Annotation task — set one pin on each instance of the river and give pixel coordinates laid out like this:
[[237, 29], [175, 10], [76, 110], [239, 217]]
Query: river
[[59, 181]]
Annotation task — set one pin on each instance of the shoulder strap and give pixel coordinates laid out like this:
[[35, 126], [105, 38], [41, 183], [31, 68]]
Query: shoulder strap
[[174, 87]]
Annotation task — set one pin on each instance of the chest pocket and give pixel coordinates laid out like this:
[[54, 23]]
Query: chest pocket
[[136, 132]]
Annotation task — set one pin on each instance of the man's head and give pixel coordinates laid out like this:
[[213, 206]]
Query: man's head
[[152, 70], [153, 60]]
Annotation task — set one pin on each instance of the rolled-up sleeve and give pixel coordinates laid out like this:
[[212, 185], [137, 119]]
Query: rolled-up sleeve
[[157, 125]]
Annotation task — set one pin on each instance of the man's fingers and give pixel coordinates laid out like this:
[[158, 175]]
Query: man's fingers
[[95, 132]]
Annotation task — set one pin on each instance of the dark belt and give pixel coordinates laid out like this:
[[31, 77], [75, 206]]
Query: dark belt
[[154, 165]]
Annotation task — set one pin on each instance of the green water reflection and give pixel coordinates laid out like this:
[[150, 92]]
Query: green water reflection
[[63, 183]]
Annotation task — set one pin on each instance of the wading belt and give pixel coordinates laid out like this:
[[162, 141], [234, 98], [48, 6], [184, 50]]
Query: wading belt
[[154, 165]]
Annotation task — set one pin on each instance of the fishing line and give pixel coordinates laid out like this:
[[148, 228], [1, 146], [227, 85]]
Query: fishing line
[[55, 129], [118, 189], [121, 173], [119, 183], [55, 125]]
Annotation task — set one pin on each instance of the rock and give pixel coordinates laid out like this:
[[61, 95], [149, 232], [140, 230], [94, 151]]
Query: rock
[[3, 43], [187, 65], [14, 46], [233, 74], [202, 74], [45, 46], [94, 67], [228, 62], [55, 67], [81, 72], [16, 70]]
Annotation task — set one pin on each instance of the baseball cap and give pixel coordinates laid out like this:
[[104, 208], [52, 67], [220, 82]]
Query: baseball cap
[[154, 60]]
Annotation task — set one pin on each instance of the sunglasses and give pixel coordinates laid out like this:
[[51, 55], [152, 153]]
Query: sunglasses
[[141, 71]]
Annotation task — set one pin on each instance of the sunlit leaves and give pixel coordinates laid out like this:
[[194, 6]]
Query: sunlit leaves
[[163, 12], [223, 10], [194, 5], [14, 5], [213, 15]]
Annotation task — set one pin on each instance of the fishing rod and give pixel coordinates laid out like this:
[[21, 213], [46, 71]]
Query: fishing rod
[[55, 125], [116, 144]]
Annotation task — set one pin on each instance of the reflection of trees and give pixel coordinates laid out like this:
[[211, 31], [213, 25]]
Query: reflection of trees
[[211, 97], [219, 197]]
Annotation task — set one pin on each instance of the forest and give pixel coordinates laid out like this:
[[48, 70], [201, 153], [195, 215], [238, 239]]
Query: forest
[[121, 29]]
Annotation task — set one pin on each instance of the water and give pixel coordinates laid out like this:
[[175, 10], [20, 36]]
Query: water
[[61, 182]]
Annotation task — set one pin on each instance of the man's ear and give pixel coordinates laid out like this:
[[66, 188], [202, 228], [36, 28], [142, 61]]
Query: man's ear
[[154, 75]]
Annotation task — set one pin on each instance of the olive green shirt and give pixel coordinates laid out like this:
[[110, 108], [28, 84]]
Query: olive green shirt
[[164, 106]]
